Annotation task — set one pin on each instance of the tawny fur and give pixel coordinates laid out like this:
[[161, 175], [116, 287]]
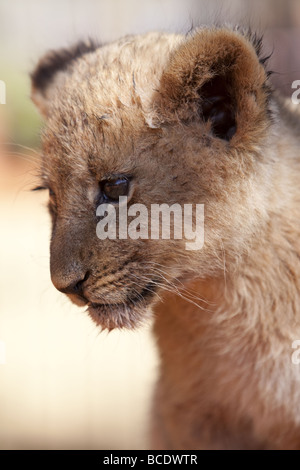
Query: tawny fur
[[226, 315]]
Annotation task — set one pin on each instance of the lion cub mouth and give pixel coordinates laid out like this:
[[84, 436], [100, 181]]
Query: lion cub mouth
[[128, 314]]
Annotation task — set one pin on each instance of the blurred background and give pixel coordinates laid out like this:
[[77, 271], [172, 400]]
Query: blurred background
[[63, 384]]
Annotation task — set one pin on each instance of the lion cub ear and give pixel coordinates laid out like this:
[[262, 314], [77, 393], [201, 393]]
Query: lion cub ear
[[51, 70], [217, 78]]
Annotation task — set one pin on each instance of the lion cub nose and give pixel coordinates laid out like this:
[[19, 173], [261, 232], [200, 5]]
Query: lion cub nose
[[72, 284]]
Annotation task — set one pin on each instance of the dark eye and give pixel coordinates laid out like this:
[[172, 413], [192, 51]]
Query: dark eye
[[113, 188], [51, 193], [52, 200]]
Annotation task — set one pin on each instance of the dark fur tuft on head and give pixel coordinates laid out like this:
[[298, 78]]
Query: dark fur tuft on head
[[256, 40], [56, 61]]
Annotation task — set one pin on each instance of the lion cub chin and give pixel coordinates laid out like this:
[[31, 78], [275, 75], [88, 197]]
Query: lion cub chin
[[183, 120]]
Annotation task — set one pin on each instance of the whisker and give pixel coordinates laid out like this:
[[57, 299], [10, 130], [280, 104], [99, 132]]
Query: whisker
[[146, 288], [190, 292], [21, 156], [173, 289], [14, 144]]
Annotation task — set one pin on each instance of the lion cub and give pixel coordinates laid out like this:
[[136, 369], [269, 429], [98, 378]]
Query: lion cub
[[171, 119]]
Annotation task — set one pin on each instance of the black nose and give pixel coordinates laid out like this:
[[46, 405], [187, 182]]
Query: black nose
[[76, 287]]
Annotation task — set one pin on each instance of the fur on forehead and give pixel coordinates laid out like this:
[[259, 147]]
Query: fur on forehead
[[214, 76], [130, 67]]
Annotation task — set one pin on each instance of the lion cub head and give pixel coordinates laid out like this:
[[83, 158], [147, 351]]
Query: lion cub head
[[158, 119]]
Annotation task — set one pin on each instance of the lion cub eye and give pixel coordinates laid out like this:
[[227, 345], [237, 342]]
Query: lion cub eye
[[115, 187]]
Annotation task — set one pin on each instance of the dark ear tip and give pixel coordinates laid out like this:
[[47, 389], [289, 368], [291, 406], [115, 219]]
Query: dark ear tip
[[44, 71], [56, 61]]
